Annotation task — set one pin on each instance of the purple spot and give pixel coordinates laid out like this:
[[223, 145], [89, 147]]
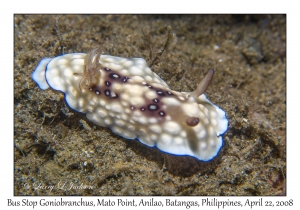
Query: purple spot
[[125, 79], [161, 113], [97, 92], [160, 92], [143, 109], [114, 76], [153, 107], [107, 83], [132, 108], [113, 95], [107, 92], [155, 100]]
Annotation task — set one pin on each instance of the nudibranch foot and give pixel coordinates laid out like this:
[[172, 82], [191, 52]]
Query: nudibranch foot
[[124, 95]]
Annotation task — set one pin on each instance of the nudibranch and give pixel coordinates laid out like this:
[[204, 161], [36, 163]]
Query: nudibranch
[[124, 95]]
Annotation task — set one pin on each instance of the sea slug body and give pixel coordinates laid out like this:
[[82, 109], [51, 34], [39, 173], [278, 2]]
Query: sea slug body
[[135, 103]]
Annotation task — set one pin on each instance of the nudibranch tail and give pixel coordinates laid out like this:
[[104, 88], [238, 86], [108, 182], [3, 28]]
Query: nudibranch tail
[[39, 74], [203, 85], [124, 95]]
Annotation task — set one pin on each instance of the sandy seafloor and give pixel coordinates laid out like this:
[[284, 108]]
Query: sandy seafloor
[[56, 145]]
